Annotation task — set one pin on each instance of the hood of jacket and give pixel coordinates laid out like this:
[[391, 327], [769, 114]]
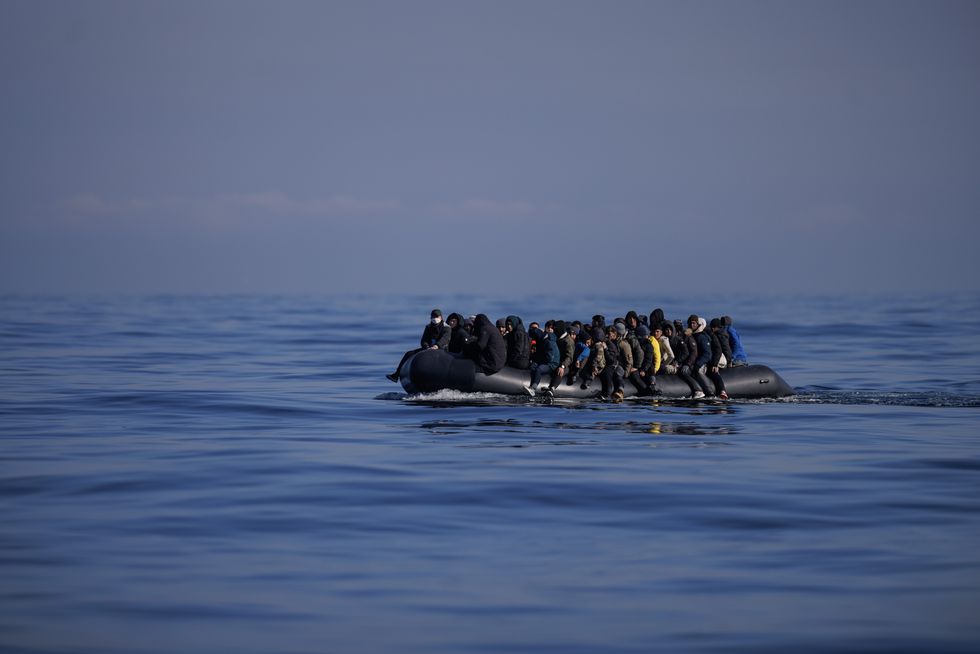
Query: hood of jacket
[[481, 322]]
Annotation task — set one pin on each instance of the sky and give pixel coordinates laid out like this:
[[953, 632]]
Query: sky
[[494, 147]]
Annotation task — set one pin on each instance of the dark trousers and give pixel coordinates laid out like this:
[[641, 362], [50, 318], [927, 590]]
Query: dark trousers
[[684, 373], [537, 371], [611, 378], [702, 379], [568, 377], [641, 383], [718, 381]]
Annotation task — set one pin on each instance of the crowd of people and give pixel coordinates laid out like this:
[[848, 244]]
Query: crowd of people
[[637, 347]]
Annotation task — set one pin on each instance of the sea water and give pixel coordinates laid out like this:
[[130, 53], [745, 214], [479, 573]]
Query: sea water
[[235, 474]]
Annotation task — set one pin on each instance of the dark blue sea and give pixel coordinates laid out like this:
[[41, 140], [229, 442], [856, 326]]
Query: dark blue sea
[[203, 474]]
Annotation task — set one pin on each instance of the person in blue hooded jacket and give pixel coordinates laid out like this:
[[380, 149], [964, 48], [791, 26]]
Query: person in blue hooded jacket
[[739, 358], [583, 341], [545, 361]]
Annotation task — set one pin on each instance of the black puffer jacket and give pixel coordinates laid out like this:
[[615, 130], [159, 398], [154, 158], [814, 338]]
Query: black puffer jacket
[[488, 349], [720, 343], [457, 340], [685, 349], [436, 335]]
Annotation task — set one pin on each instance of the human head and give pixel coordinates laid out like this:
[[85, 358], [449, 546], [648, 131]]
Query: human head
[[611, 333], [715, 324], [632, 320], [435, 316], [642, 331]]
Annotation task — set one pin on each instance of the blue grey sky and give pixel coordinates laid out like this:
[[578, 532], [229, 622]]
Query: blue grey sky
[[497, 147]]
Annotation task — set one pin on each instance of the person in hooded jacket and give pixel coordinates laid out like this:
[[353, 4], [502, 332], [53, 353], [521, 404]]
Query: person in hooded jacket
[[435, 336], [719, 332], [699, 369], [457, 335], [583, 349], [619, 358], [545, 361], [566, 354], [597, 359], [632, 322], [656, 318], [518, 344], [487, 349], [534, 335], [739, 358], [686, 351], [718, 359], [644, 378]]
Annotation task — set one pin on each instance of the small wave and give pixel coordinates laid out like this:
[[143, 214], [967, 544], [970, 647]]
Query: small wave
[[196, 401], [392, 395], [924, 399], [449, 396]]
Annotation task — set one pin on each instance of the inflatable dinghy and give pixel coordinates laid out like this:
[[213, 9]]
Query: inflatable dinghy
[[433, 370]]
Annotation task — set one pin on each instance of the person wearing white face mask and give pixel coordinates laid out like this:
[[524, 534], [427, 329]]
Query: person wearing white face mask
[[435, 337]]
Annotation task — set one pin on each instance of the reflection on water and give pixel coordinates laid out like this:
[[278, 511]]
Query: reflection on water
[[804, 395], [514, 426]]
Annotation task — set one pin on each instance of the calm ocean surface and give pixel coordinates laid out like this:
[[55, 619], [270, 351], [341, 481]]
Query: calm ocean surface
[[235, 474]]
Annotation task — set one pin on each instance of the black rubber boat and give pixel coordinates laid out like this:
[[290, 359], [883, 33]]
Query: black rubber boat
[[434, 370]]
